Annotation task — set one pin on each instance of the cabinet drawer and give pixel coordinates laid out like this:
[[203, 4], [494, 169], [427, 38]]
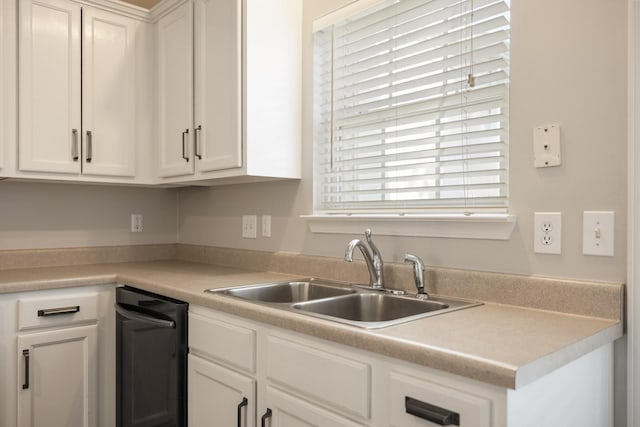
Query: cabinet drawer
[[437, 400], [42, 312], [323, 377], [225, 342]]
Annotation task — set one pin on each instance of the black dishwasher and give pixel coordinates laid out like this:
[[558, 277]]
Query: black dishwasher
[[151, 360]]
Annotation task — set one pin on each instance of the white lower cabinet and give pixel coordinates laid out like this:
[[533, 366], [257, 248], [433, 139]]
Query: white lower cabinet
[[232, 360], [219, 396], [57, 358], [302, 381], [58, 381]]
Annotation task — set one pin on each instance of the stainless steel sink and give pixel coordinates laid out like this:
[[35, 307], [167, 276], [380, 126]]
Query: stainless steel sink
[[286, 292], [377, 310], [351, 304], [371, 307]]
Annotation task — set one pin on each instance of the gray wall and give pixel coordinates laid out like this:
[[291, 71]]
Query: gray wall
[[568, 66], [39, 215]]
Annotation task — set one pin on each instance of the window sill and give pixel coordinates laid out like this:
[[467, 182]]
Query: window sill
[[478, 226]]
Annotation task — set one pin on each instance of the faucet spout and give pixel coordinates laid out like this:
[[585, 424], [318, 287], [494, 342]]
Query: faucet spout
[[373, 259]]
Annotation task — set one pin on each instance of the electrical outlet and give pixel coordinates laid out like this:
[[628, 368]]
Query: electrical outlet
[[249, 226], [547, 234], [136, 223]]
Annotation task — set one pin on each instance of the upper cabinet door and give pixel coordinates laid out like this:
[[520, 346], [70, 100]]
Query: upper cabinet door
[[218, 84], [108, 94], [175, 92], [49, 86]]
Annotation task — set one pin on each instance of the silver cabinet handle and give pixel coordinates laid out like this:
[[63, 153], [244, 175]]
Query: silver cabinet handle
[[185, 135], [74, 145], [196, 137], [58, 311], [89, 147]]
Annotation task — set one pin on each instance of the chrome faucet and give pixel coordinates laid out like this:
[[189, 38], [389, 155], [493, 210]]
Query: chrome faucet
[[418, 273], [373, 259]]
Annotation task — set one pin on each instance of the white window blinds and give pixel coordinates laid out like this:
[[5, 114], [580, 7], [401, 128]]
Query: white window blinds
[[411, 108]]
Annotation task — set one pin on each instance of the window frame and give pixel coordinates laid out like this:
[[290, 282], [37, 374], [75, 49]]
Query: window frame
[[496, 224]]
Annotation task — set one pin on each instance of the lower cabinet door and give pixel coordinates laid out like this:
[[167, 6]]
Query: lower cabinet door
[[284, 410], [219, 397], [57, 378]]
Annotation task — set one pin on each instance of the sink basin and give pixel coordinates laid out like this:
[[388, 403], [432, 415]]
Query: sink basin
[[353, 305], [371, 307], [286, 292], [375, 310]]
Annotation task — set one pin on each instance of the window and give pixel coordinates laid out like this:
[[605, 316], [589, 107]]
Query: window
[[411, 107]]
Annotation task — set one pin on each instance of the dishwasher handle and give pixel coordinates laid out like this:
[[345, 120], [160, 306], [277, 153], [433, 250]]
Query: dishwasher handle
[[143, 317]]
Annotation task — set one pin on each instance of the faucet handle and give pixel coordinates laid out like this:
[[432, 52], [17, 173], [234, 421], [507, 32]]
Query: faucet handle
[[367, 233], [374, 249], [418, 272]]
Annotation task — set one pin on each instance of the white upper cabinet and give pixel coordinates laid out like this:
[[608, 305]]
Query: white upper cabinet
[[108, 93], [76, 90], [218, 84], [193, 91], [200, 87], [174, 38], [246, 93], [272, 87], [49, 86]]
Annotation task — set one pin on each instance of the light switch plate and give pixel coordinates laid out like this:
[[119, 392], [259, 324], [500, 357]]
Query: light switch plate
[[598, 231], [546, 146], [136, 223]]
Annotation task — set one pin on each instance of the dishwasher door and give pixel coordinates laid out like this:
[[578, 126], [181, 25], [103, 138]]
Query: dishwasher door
[[151, 360]]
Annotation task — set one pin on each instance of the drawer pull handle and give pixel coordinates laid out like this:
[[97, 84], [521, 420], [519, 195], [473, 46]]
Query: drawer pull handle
[[432, 413], [58, 311], [25, 354], [266, 415], [241, 405]]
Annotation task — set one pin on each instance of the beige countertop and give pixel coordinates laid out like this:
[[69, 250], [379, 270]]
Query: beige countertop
[[504, 345]]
